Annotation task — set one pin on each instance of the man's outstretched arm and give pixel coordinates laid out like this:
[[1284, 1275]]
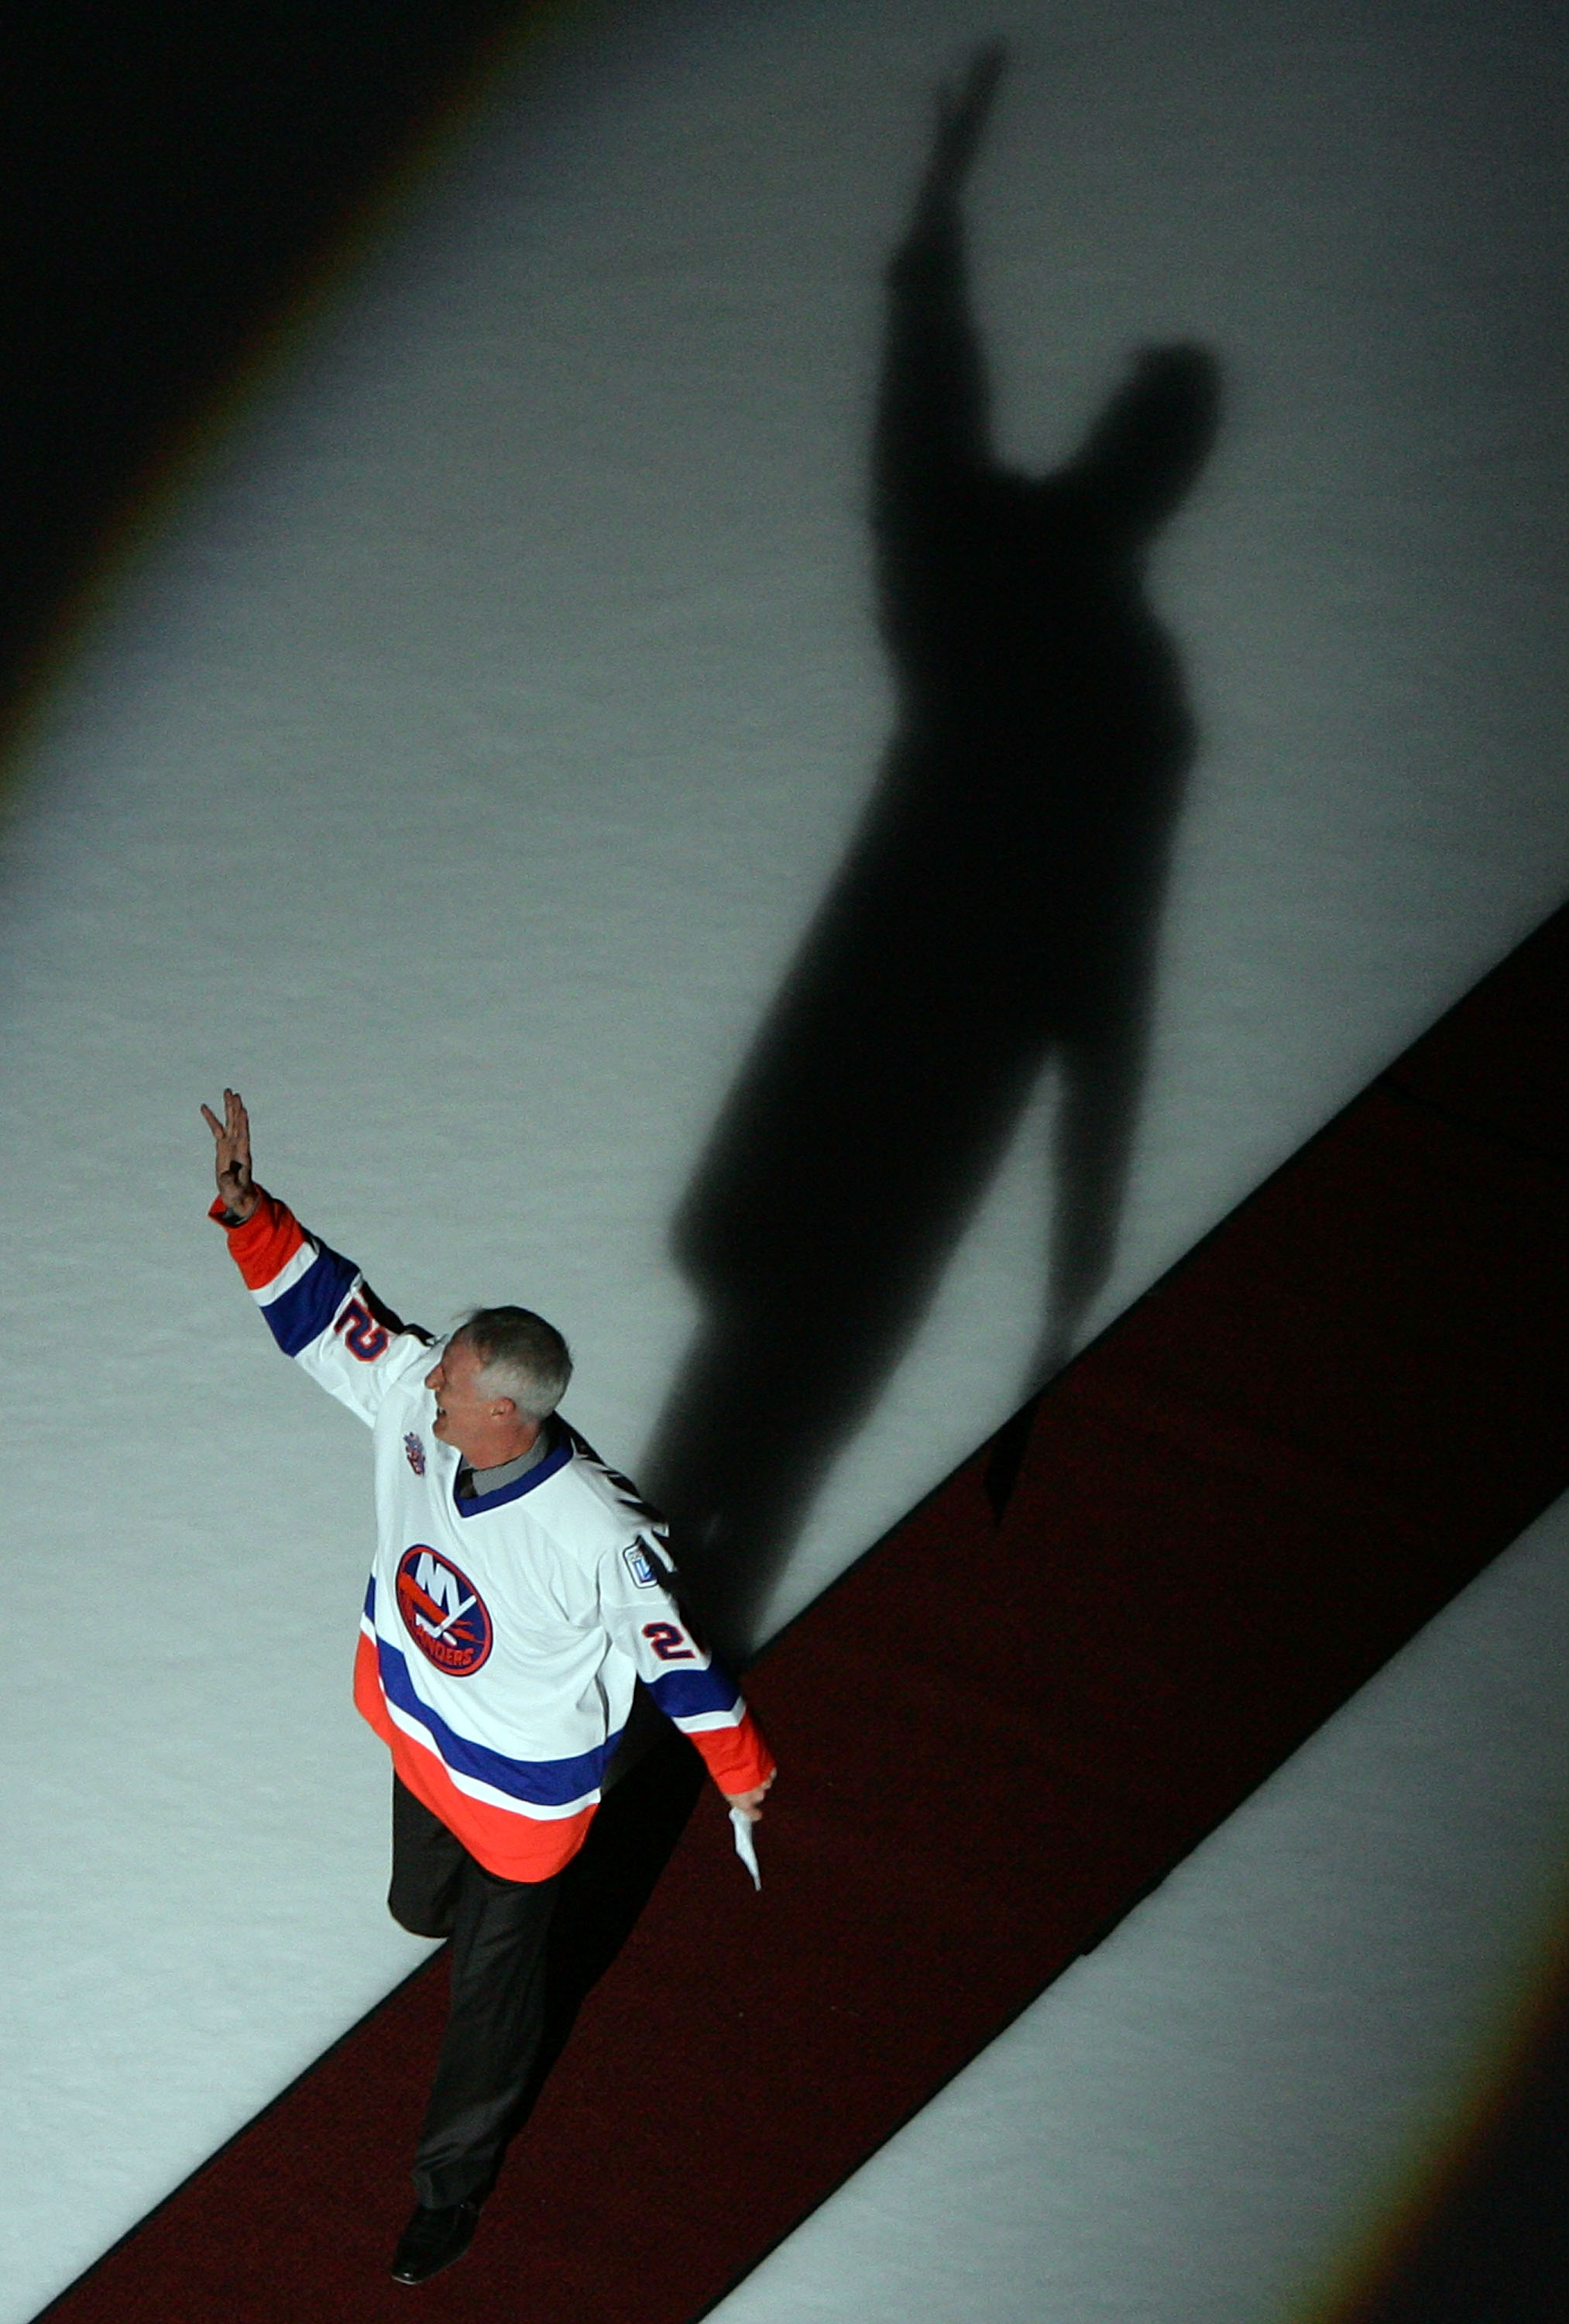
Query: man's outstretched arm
[[317, 1303]]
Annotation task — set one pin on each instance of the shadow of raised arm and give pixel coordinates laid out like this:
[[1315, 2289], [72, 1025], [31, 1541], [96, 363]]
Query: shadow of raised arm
[[995, 913]]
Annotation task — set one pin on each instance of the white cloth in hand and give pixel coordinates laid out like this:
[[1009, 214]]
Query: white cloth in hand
[[745, 1846]]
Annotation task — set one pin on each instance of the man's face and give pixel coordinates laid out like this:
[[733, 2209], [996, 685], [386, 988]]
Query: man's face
[[464, 1416]]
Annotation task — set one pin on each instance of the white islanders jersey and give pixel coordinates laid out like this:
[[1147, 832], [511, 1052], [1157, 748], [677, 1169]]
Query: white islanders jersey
[[502, 1635]]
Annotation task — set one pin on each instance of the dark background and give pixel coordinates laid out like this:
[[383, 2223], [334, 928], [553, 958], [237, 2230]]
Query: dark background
[[175, 178]]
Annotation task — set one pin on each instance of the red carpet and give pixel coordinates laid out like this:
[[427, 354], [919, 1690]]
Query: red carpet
[[996, 1738]]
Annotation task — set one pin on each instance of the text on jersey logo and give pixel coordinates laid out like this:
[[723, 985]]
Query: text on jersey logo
[[442, 1611]]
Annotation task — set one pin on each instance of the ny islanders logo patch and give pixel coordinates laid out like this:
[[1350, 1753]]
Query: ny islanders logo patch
[[414, 1447], [443, 1612]]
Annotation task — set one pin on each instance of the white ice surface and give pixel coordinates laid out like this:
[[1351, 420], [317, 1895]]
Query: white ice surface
[[454, 762]]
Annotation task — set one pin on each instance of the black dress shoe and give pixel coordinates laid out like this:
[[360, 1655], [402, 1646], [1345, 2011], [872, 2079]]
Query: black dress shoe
[[433, 2239]]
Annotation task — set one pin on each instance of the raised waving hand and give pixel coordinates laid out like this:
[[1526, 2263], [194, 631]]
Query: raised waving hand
[[231, 1157], [962, 111]]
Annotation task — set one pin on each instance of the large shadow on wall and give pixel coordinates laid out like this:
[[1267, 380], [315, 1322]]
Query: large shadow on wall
[[995, 912]]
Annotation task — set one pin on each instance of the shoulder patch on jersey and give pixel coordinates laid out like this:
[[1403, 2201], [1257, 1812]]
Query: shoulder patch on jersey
[[414, 1446], [641, 1566], [442, 1611]]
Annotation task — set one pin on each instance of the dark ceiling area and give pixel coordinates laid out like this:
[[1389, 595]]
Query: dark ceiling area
[[177, 175]]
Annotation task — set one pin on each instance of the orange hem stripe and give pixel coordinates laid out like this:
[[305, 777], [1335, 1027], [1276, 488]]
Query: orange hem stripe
[[512, 1844]]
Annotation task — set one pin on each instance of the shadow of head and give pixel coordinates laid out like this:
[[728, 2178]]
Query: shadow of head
[[1145, 451]]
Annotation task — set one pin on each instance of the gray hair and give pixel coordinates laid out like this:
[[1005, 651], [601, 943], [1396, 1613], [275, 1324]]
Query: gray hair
[[521, 1355]]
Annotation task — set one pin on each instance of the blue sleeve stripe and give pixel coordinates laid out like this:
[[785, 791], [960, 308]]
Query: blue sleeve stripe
[[685, 1695], [305, 1310], [539, 1783]]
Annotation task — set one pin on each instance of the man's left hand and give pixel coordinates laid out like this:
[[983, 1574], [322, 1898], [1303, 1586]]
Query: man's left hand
[[750, 1803]]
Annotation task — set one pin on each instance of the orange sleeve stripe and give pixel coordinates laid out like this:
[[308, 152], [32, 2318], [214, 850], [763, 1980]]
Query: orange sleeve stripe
[[737, 1758], [263, 1247]]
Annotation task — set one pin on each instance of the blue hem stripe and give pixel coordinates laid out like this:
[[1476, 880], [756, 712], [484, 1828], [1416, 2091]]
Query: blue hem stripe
[[541, 1783], [306, 1309]]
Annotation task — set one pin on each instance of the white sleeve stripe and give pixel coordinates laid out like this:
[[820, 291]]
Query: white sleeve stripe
[[708, 1722], [288, 1275]]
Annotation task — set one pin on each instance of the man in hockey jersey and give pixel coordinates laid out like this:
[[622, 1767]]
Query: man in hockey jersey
[[519, 1587]]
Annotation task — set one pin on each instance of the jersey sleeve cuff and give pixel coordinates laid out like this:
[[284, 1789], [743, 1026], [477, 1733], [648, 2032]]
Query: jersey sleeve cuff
[[737, 1757], [262, 1245]]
